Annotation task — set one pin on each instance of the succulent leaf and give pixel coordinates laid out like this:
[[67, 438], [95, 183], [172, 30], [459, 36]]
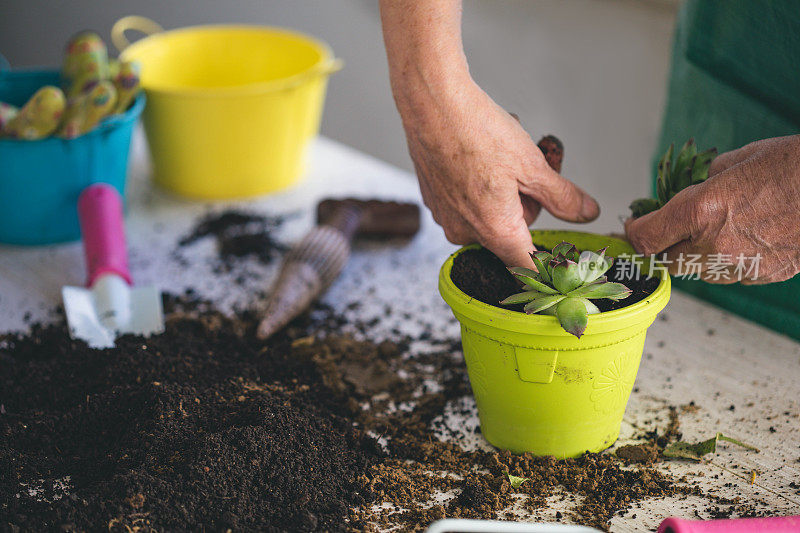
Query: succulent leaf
[[592, 265], [566, 276], [571, 313], [682, 180], [590, 307], [541, 260], [531, 279], [666, 157], [642, 206], [684, 157], [563, 286], [663, 184], [688, 168], [567, 251], [702, 164], [614, 291], [522, 297], [540, 304]]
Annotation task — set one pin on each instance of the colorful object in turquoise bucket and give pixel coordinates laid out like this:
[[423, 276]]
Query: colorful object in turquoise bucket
[[40, 181]]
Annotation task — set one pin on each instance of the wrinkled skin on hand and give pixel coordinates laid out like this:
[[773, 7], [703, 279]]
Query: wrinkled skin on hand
[[750, 206], [483, 177]]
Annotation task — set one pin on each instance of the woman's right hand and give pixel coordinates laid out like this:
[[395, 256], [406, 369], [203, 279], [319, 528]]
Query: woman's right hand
[[481, 174]]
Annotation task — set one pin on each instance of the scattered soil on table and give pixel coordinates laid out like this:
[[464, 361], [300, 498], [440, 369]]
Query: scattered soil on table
[[207, 428], [638, 453], [203, 427], [239, 234], [482, 275]]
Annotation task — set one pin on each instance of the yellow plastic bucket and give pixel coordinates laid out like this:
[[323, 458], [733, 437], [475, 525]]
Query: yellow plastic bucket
[[540, 389], [230, 109]]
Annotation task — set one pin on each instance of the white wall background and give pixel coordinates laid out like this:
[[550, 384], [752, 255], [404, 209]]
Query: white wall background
[[593, 72]]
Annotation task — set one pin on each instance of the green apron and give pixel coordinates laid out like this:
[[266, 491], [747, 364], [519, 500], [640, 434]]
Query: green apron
[[735, 79]]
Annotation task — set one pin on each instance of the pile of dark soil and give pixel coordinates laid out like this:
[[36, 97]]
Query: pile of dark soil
[[482, 275], [203, 427], [198, 428], [206, 428], [239, 234]]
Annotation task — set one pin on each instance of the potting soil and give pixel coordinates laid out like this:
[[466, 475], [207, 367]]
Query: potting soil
[[206, 428], [482, 275]]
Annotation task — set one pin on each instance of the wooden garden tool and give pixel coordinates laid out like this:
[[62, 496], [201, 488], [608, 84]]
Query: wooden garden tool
[[316, 261]]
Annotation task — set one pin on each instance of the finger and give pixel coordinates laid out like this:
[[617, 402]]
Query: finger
[[734, 157], [675, 222], [512, 247], [530, 209], [720, 274], [562, 198], [458, 231], [683, 260], [686, 260]]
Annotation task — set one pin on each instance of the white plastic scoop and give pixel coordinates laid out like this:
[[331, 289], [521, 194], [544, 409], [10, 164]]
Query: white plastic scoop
[[110, 306]]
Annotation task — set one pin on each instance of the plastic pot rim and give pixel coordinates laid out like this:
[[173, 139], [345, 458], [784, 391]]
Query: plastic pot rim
[[520, 322]]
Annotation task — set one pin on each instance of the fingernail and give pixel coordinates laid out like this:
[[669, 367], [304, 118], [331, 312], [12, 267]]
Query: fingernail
[[589, 208]]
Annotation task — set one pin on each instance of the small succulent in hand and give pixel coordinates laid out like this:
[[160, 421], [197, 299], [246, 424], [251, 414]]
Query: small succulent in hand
[[688, 168], [565, 284]]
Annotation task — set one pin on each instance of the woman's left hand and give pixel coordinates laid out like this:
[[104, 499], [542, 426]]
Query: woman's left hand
[[742, 224]]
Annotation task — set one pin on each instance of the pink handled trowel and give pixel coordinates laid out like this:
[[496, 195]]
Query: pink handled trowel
[[110, 306], [778, 524]]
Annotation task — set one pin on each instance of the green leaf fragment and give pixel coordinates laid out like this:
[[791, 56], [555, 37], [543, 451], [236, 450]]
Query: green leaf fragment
[[686, 450], [516, 481]]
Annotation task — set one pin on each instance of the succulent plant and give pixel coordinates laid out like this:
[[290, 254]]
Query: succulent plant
[[675, 174], [565, 284]]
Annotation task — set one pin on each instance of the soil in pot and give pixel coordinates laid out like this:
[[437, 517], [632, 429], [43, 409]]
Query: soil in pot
[[482, 275]]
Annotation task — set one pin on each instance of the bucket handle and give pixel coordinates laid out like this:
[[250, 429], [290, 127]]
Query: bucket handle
[[132, 22], [4, 64]]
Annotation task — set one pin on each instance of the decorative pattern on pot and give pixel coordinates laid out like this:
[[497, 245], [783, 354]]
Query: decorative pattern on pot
[[476, 369], [613, 386]]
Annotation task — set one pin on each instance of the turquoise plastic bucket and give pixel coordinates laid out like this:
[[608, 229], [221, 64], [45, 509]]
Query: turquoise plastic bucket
[[40, 181]]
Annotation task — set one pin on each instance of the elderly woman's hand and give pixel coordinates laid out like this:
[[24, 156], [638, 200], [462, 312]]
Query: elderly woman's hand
[[481, 175], [746, 214]]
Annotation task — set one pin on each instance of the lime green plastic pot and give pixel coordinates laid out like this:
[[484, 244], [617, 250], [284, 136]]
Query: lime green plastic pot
[[540, 389]]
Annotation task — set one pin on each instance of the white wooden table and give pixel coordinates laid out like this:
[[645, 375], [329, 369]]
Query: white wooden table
[[694, 353]]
